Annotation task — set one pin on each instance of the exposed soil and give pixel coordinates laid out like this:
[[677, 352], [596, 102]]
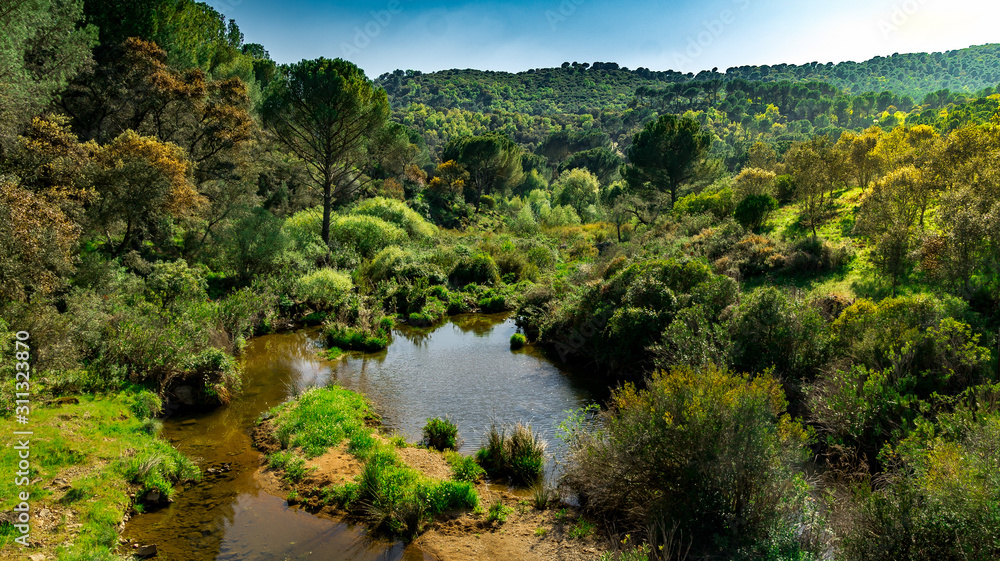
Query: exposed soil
[[527, 534]]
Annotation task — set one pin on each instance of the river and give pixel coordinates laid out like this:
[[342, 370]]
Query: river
[[463, 369]]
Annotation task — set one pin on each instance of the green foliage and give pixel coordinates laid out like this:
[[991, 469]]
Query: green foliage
[[719, 202], [440, 434], [46, 44], [716, 457], [753, 211], [477, 269], [464, 468], [365, 234], [665, 155], [355, 338], [321, 418], [939, 500], [578, 188], [498, 512], [324, 111], [396, 212], [325, 289], [286, 460], [771, 329], [514, 452], [517, 341]]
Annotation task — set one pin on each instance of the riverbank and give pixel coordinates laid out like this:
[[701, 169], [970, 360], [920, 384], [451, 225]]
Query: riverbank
[[93, 461], [324, 452]]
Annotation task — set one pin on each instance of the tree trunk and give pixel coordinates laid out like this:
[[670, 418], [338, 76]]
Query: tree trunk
[[327, 205]]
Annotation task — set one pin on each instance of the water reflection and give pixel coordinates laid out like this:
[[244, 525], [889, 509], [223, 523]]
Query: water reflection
[[473, 380], [425, 373]]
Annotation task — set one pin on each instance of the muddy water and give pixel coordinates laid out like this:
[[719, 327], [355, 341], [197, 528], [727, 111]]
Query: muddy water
[[463, 369]]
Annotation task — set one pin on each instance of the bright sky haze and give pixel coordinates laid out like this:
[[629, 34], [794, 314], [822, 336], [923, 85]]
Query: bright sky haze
[[685, 35]]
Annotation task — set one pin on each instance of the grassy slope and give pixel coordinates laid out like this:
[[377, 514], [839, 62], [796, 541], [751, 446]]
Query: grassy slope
[[101, 451]]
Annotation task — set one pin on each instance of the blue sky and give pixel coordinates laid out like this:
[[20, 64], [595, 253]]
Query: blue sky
[[686, 35]]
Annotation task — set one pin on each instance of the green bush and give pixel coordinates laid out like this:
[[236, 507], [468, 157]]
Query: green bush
[[441, 434], [720, 203], [477, 269], [396, 212], [324, 289], [753, 211], [517, 341], [355, 339], [398, 264], [365, 234], [516, 453], [771, 328], [940, 499], [706, 451]]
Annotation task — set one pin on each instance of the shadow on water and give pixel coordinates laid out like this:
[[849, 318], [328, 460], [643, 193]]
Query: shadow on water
[[463, 369]]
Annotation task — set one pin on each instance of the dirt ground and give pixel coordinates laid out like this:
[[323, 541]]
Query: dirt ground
[[527, 534]]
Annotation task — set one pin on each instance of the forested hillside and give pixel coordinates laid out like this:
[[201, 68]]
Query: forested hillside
[[786, 278]]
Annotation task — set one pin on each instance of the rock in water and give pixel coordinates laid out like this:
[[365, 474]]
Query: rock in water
[[146, 551]]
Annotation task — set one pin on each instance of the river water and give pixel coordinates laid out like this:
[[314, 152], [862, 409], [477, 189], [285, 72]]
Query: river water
[[463, 369]]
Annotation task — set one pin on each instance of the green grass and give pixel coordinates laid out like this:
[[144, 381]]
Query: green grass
[[390, 495], [464, 468], [320, 419], [440, 434], [110, 450], [513, 452], [498, 512]]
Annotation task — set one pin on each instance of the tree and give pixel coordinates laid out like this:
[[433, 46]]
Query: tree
[[578, 189], [815, 171], [493, 161], [887, 215], [862, 156], [665, 155], [43, 47], [324, 111], [754, 181], [600, 161], [141, 182]]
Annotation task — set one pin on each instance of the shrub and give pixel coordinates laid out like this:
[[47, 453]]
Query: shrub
[[396, 263], [355, 339], [396, 212], [707, 451], [514, 452], [365, 234], [325, 289], [441, 434], [219, 373], [940, 499], [517, 341], [754, 210], [718, 202], [773, 329], [303, 229], [498, 512], [478, 269]]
